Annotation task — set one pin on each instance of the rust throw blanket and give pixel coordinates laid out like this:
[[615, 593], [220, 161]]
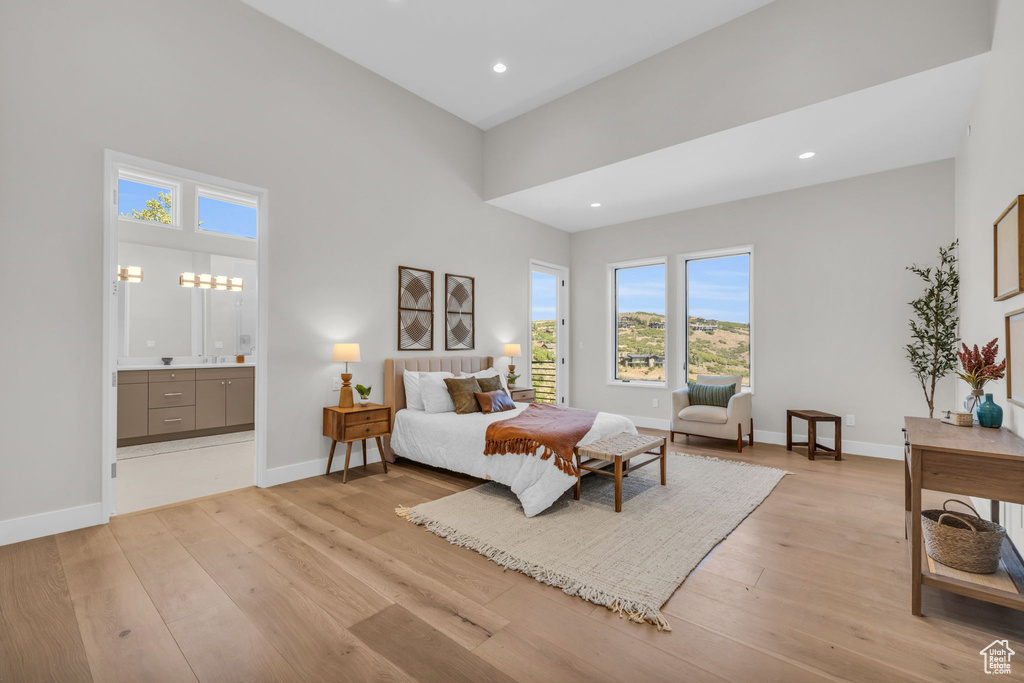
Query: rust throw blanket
[[557, 430]]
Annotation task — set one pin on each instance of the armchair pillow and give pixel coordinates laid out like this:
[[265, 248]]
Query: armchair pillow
[[710, 395]]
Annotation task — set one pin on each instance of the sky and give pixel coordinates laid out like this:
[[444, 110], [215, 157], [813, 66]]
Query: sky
[[718, 288], [641, 289], [544, 291], [216, 215]]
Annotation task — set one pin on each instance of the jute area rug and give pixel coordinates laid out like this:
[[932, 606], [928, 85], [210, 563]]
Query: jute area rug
[[630, 562]]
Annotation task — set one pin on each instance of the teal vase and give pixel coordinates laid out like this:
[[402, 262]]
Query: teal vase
[[989, 414]]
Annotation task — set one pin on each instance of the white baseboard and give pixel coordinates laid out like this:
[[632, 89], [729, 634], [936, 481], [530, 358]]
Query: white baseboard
[[48, 523], [872, 450], [313, 468]]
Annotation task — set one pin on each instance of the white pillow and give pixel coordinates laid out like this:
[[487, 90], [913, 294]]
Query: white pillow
[[436, 398], [414, 387], [489, 372]]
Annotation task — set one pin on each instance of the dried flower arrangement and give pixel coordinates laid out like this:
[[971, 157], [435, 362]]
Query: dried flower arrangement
[[979, 367]]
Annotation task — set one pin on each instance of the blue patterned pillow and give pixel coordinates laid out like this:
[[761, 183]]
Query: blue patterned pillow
[[710, 394]]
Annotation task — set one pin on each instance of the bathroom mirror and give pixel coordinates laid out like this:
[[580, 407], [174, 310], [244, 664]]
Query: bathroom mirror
[[159, 318]]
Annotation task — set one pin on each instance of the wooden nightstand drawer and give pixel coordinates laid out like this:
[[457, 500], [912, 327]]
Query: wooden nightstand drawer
[[523, 395], [361, 418], [366, 431]]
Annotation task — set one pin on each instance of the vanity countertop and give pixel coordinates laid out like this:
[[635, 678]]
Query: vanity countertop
[[184, 366]]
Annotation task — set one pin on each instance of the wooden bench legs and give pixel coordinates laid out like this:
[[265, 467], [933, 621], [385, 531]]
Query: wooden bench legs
[[620, 470]]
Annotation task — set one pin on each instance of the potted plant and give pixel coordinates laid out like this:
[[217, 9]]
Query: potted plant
[[933, 329], [978, 368], [512, 377], [364, 394]]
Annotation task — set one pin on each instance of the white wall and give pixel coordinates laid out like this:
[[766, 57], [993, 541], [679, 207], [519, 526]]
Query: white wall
[[362, 177], [989, 174], [830, 297], [783, 56]]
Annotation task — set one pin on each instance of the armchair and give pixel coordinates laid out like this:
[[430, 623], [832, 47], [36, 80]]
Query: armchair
[[730, 424]]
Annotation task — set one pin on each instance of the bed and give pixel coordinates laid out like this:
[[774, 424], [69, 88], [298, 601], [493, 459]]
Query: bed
[[456, 442]]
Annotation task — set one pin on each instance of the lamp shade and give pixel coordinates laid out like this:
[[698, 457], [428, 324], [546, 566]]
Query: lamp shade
[[346, 353], [512, 351]]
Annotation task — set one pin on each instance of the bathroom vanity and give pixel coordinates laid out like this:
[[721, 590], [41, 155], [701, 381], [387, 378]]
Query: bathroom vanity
[[181, 402]]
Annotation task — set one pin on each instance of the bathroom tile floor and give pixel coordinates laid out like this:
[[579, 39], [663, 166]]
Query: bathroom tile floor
[[173, 477]]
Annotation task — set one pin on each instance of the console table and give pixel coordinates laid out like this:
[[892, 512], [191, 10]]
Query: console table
[[969, 461]]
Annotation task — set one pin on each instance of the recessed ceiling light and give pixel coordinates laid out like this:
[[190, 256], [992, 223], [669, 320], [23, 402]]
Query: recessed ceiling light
[[595, 205], [807, 155], [500, 68]]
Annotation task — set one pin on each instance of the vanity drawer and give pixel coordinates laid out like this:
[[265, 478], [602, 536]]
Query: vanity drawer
[[170, 394], [168, 420], [225, 373], [188, 375], [354, 419], [132, 376], [365, 431]]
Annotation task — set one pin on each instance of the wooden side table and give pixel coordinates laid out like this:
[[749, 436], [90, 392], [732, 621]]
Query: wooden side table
[[813, 417], [522, 394], [357, 423]]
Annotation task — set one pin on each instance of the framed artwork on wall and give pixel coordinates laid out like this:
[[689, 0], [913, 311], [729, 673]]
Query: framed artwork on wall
[[459, 312], [1008, 252], [1015, 357], [415, 309]]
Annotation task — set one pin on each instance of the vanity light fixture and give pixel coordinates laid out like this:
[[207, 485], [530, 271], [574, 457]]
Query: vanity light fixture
[[129, 274], [207, 281]]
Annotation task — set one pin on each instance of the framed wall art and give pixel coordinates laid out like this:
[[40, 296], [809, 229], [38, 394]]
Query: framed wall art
[[1008, 252], [415, 309], [1015, 357], [459, 312]]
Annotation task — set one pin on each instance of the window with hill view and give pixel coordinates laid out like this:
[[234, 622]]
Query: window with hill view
[[718, 316], [639, 300]]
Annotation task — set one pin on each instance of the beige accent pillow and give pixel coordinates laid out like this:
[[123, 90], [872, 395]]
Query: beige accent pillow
[[463, 390]]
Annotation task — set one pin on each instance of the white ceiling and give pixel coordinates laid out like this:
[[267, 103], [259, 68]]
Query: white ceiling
[[909, 121], [444, 50]]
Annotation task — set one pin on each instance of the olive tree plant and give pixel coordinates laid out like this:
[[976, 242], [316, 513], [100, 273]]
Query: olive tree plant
[[933, 328]]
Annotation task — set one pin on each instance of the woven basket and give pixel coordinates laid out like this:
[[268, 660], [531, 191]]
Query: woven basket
[[961, 419], [962, 541]]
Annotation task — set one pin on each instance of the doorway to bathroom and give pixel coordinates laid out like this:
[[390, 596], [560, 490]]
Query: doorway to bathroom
[[184, 335]]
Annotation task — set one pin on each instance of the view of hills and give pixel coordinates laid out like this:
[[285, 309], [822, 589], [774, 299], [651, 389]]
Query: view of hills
[[717, 347]]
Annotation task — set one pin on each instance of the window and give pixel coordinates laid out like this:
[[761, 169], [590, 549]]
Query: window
[[147, 198], [226, 213], [638, 318], [717, 295]]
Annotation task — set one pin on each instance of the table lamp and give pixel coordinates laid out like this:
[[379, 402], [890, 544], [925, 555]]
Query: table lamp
[[512, 351], [346, 353]]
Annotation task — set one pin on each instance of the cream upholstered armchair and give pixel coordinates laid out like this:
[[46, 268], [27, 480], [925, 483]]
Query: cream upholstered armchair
[[731, 423]]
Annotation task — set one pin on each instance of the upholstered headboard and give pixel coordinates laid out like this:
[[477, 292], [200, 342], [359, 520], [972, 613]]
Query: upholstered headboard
[[394, 368], [394, 383]]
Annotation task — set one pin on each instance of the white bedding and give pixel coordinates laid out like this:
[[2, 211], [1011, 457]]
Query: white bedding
[[456, 442]]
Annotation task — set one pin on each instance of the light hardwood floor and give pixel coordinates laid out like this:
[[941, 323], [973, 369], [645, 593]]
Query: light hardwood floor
[[316, 581]]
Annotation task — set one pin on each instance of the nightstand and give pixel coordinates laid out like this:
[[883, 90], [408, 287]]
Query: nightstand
[[523, 394], [357, 423]]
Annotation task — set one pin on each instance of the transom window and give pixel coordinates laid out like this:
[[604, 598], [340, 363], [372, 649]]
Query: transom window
[[638, 320], [226, 213], [147, 198]]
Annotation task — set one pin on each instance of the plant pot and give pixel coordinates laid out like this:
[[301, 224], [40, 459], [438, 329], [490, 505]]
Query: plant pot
[[364, 401], [990, 414]]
